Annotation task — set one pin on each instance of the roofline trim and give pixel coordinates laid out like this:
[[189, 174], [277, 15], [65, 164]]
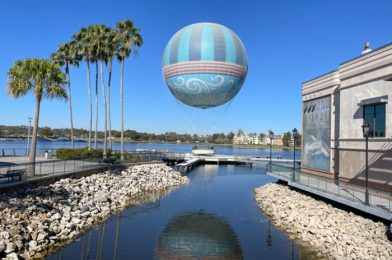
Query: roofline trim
[[368, 53], [322, 75]]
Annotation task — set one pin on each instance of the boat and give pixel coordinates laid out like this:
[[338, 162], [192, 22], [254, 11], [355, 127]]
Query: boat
[[203, 149]]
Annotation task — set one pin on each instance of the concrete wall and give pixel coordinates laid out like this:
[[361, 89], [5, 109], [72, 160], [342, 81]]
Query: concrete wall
[[365, 77], [351, 114]]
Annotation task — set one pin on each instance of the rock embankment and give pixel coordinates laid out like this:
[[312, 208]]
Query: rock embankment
[[34, 220], [334, 233]]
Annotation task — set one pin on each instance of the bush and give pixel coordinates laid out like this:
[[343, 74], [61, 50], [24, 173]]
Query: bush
[[82, 153]]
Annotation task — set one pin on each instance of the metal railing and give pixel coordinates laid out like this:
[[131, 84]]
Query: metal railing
[[58, 167], [47, 168], [22, 152], [377, 198]]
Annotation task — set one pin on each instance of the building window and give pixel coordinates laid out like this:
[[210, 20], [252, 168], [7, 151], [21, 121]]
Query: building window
[[375, 116]]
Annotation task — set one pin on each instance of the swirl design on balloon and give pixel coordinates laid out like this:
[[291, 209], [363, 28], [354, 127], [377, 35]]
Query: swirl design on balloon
[[204, 90]]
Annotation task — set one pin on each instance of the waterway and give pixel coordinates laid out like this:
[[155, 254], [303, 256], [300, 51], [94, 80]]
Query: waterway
[[19, 147], [213, 217]]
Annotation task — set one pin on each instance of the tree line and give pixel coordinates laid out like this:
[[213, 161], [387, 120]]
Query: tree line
[[131, 135], [96, 45]]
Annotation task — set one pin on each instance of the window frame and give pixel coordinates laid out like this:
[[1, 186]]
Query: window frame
[[374, 123]]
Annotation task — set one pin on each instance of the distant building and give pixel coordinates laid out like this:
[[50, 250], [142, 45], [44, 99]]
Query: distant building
[[336, 105], [276, 141], [240, 138], [254, 139]]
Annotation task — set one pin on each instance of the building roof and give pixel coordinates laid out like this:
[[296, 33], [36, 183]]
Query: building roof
[[347, 61], [370, 52]]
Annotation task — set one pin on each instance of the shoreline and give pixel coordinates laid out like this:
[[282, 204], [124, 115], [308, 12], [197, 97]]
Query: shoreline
[[100, 140], [332, 232], [39, 220]]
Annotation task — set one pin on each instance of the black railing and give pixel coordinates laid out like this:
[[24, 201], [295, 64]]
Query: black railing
[[22, 152], [356, 193], [10, 172]]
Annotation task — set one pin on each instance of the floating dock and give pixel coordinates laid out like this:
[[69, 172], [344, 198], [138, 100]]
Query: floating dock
[[187, 163]]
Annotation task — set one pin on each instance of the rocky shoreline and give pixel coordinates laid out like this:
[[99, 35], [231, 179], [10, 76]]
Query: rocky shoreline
[[33, 221], [332, 232]]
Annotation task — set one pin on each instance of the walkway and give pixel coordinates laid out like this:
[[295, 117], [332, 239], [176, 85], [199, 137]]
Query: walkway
[[348, 194]]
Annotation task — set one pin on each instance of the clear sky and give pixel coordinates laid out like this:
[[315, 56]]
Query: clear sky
[[288, 42]]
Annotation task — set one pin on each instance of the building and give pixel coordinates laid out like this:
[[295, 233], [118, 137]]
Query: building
[[336, 105], [276, 141], [240, 138], [254, 139]]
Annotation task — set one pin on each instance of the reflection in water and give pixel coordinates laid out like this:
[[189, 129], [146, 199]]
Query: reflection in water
[[269, 237], [198, 235], [208, 174], [93, 242], [213, 217]]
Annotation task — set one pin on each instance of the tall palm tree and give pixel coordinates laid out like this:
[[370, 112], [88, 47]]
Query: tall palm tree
[[101, 33], [85, 49], [67, 55], [130, 39], [45, 79], [111, 47]]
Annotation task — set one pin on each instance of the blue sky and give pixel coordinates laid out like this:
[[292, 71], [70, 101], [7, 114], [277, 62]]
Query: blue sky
[[288, 42]]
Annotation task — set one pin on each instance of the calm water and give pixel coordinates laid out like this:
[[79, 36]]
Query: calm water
[[20, 148], [214, 217]]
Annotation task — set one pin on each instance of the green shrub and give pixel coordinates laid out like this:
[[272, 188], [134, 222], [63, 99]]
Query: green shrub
[[82, 153]]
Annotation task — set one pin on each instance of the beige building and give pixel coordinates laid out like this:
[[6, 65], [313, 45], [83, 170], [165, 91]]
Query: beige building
[[336, 105]]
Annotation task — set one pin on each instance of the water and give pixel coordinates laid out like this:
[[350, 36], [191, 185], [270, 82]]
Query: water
[[214, 217], [20, 148]]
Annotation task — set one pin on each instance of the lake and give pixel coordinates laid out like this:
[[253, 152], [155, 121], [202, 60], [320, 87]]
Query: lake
[[213, 217], [20, 146]]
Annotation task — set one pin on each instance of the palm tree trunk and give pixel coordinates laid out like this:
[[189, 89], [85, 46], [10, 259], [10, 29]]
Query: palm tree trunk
[[70, 103], [90, 104], [96, 105], [105, 111], [33, 148], [109, 116], [122, 108]]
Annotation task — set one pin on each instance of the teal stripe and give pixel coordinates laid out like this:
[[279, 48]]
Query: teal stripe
[[166, 60], [183, 48], [230, 46], [207, 43]]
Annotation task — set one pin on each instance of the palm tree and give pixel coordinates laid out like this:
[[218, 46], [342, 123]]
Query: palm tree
[[111, 47], [45, 79], [130, 38], [100, 36], [85, 49], [67, 55]]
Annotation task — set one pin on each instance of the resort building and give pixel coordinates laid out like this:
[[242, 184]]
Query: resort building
[[241, 138], [335, 107]]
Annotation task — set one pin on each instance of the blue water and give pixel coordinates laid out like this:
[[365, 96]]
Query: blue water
[[214, 217], [19, 147]]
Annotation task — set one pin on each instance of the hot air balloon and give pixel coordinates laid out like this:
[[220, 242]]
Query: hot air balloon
[[205, 65]]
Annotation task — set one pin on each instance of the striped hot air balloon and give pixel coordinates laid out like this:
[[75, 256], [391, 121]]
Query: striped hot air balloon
[[205, 65]]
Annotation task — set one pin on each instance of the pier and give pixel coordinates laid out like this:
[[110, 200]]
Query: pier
[[186, 162]]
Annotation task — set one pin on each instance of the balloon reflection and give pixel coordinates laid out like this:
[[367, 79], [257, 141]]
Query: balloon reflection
[[198, 235]]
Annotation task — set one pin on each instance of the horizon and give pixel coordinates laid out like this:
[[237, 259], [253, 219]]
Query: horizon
[[285, 48], [155, 133]]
